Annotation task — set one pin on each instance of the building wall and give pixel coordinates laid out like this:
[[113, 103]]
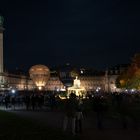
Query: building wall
[[91, 83], [54, 83], [21, 82], [18, 82]]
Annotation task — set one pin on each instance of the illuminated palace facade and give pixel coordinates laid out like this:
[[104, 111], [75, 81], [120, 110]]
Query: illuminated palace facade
[[89, 80], [105, 81]]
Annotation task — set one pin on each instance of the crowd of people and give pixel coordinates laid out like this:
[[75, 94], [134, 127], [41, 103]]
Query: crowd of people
[[125, 105], [29, 101]]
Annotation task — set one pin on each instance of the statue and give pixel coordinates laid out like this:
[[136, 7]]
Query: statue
[[1, 20], [77, 89], [77, 83]]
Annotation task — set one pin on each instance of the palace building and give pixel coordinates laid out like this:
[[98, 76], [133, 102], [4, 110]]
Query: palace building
[[90, 79]]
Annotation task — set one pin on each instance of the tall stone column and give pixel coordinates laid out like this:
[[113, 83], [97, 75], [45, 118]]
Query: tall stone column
[[1, 49], [1, 43]]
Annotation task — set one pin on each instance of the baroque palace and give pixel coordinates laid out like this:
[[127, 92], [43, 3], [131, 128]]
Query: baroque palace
[[90, 79]]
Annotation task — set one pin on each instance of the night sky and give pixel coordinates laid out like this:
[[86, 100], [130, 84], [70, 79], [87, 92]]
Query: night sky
[[93, 33]]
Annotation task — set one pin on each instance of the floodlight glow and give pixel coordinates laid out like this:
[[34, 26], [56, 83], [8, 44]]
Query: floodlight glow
[[132, 90], [57, 89], [82, 72], [62, 89], [13, 91], [97, 90], [39, 88]]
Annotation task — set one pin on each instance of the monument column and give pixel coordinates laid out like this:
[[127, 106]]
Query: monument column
[[1, 44]]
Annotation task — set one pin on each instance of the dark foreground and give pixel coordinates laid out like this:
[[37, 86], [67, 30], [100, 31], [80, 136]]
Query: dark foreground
[[47, 125]]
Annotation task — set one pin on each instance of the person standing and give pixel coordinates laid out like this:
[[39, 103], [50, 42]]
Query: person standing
[[79, 117], [70, 113]]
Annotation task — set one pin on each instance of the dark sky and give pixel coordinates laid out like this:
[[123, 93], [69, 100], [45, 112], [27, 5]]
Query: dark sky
[[94, 33]]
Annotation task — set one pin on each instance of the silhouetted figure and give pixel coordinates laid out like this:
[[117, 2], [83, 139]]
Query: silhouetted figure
[[79, 117], [27, 101], [135, 111], [13, 102], [33, 101], [122, 108], [70, 113], [7, 101], [52, 102], [40, 101], [99, 105]]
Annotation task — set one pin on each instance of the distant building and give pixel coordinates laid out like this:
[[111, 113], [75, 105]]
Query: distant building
[[90, 79], [111, 75]]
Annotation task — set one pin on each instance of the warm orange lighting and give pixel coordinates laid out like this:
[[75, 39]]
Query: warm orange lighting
[[40, 88], [122, 82], [77, 88], [40, 75]]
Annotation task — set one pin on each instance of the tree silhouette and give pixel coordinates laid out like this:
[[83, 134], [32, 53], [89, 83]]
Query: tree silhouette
[[130, 79]]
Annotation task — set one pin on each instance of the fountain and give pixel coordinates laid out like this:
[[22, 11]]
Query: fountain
[[77, 88]]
